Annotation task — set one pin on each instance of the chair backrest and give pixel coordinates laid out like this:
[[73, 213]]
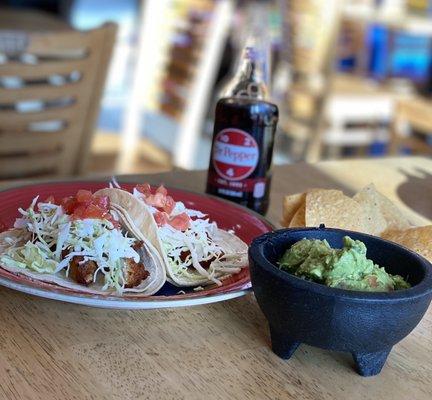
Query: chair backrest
[[50, 89]]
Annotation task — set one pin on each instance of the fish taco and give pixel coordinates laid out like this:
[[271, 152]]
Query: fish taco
[[82, 243], [194, 249]]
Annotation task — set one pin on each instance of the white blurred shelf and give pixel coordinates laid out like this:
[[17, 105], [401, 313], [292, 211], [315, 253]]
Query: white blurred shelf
[[408, 22]]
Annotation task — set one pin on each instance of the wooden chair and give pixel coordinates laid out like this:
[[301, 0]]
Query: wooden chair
[[412, 113], [50, 89]]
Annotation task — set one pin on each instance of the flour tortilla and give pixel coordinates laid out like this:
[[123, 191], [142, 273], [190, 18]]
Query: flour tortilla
[[136, 215], [140, 220], [149, 256]]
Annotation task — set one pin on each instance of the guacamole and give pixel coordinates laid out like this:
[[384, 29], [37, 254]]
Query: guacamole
[[345, 268]]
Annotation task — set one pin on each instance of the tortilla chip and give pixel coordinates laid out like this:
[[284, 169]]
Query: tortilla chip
[[416, 239], [299, 217], [376, 224], [383, 213], [291, 204], [335, 210]]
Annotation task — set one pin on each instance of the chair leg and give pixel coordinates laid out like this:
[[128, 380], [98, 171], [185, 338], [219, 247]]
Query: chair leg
[[395, 136]]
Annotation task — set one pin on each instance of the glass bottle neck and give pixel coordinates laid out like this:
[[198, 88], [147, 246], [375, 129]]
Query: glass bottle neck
[[251, 77]]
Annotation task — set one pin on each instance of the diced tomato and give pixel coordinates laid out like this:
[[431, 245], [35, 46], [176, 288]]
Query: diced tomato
[[84, 196], [155, 200], [169, 205], [68, 204], [165, 205], [86, 205], [79, 212], [50, 199], [144, 188], [161, 189], [180, 222], [102, 202], [89, 211], [161, 218]]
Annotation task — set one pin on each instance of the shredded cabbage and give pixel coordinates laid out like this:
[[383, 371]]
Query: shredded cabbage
[[180, 208], [53, 232], [30, 256], [188, 249]]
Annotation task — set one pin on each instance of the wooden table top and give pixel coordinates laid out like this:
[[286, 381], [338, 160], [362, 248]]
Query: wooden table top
[[53, 350]]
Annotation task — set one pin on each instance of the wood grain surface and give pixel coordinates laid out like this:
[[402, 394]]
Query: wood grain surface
[[53, 350]]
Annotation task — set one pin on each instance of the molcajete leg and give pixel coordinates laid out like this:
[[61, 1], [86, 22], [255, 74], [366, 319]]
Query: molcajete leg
[[369, 364], [282, 345]]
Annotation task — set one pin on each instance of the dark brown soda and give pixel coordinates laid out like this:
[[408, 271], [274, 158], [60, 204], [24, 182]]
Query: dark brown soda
[[259, 119]]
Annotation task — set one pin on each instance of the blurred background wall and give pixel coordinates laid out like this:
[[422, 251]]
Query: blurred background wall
[[351, 77]]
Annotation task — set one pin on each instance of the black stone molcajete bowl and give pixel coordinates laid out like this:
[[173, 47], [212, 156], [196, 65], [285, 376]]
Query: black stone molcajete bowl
[[363, 323]]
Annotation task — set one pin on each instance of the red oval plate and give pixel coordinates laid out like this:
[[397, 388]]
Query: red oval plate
[[245, 223]]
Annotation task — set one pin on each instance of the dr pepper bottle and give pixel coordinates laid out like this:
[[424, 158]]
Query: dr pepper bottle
[[243, 137]]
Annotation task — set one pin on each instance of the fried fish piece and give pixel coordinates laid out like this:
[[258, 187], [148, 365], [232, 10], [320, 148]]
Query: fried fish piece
[[82, 271], [134, 273]]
